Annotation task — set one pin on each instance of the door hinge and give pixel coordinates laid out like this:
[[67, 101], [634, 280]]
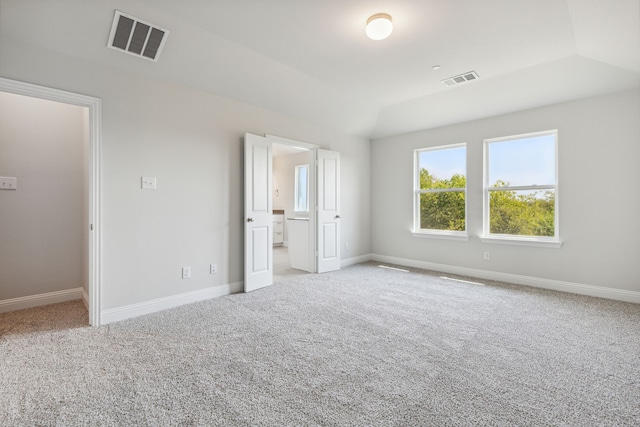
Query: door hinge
[[91, 227]]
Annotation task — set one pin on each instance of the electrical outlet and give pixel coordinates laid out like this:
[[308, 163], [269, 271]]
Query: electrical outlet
[[487, 256], [148, 183], [186, 272], [8, 183], [213, 268]]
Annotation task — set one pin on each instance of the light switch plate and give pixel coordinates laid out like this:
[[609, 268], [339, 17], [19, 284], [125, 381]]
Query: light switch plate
[[148, 182], [8, 183]]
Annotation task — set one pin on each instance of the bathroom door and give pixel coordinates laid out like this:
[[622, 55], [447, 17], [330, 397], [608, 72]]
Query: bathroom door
[[328, 200], [258, 229]]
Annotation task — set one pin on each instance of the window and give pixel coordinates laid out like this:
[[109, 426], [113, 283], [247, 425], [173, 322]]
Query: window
[[521, 187], [302, 189], [440, 191]]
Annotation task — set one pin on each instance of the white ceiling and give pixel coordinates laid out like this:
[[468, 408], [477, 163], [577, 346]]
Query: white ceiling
[[312, 60]]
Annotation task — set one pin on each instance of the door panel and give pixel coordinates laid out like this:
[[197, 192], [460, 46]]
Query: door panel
[[258, 232], [329, 178], [260, 166], [260, 254], [328, 195], [330, 239]]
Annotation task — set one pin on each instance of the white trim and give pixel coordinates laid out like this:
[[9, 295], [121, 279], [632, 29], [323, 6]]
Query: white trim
[[152, 306], [30, 301], [522, 241], [445, 235], [85, 298], [291, 142], [536, 282], [94, 106], [355, 260], [534, 187]]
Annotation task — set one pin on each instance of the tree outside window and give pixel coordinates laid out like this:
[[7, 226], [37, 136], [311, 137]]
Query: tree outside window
[[521, 187], [441, 186]]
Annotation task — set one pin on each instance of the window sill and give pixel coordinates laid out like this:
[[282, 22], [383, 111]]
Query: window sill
[[441, 235], [522, 241]]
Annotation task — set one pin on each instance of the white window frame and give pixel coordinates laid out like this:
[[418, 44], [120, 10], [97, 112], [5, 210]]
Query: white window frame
[[487, 237], [296, 200], [417, 191]]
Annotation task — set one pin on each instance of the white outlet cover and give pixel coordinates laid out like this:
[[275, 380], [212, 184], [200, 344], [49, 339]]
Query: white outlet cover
[[186, 272], [8, 183], [149, 183]]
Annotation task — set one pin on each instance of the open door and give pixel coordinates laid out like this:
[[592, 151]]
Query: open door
[[328, 200], [258, 230]]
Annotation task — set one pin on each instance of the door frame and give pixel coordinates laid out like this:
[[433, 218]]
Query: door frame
[[94, 106]]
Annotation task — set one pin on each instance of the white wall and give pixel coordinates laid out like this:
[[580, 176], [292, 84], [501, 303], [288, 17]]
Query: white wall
[[192, 141], [599, 154], [41, 223]]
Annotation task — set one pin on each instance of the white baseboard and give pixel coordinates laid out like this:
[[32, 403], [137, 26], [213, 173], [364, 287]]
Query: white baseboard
[[85, 298], [536, 282], [355, 260], [30, 301], [148, 307]]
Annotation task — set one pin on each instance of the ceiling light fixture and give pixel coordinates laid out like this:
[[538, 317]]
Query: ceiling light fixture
[[379, 26]]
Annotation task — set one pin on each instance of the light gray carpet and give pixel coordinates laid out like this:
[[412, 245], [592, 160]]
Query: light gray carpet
[[360, 347], [282, 265]]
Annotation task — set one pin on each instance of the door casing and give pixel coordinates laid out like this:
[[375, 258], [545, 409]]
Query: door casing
[[94, 106]]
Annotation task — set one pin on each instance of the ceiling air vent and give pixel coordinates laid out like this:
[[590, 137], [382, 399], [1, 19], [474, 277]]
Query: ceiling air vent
[[136, 37], [462, 78]]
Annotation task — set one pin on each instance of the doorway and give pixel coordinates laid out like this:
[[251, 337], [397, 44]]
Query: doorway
[[291, 202], [91, 203], [318, 248]]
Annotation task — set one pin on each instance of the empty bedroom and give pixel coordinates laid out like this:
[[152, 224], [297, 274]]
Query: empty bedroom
[[363, 213]]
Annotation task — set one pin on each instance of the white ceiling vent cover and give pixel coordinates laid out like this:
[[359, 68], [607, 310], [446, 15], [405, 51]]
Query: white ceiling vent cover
[[136, 37], [462, 78]]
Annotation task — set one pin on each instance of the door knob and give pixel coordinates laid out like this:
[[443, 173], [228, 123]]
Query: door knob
[[338, 217], [249, 219]]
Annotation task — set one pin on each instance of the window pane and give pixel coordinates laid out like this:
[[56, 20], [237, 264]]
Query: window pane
[[301, 188], [522, 213], [527, 161], [442, 168], [442, 211]]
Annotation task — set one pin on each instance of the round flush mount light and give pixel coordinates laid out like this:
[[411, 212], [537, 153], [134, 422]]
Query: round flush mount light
[[435, 67], [379, 26]]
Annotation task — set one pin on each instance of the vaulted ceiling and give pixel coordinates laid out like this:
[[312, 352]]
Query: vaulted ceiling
[[312, 60]]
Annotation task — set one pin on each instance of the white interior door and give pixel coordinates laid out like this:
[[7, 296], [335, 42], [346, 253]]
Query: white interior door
[[328, 199], [258, 230]]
